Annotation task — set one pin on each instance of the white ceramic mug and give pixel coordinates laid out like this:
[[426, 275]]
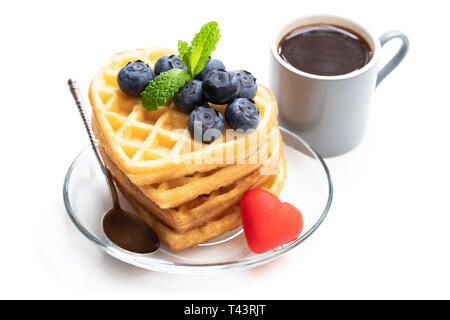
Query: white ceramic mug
[[330, 112]]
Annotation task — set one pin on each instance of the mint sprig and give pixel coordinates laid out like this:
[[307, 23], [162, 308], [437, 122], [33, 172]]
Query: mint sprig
[[204, 42], [183, 48], [163, 87], [166, 84]]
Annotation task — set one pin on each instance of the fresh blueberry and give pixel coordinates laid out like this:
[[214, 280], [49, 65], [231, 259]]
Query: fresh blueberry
[[189, 96], [168, 62], [220, 86], [210, 65], [134, 77], [242, 114], [206, 123], [248, 84]]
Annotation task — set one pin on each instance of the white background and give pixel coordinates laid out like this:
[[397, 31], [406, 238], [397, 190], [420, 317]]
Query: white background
[[387, 234]]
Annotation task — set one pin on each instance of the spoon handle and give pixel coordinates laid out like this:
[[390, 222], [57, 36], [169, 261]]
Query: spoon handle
[[75, 90]]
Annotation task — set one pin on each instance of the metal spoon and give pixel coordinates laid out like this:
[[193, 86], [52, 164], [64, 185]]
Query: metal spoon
[[122, 228]]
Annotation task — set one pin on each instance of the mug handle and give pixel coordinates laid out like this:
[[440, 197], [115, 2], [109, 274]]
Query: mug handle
[[397, 58]]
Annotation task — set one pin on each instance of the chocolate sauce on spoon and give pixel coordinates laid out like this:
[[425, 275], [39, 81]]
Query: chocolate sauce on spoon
[[129, 232], [123, 228]]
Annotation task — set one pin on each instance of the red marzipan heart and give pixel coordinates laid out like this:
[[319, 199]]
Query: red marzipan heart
[[268, 222]]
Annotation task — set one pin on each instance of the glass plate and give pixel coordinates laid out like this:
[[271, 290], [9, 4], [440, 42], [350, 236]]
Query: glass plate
[[308, 187]]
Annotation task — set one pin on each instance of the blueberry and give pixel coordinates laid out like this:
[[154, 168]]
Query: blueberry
[[248, 84], [242, 114], [220, 86], [168, 62], [210, 65], [189, 96], [134, 77], [206, 123]]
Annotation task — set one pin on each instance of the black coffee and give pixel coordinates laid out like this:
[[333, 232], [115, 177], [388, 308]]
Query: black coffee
[[325, 50]]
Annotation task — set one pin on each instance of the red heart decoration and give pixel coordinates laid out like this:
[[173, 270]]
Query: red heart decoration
[[268, 222]]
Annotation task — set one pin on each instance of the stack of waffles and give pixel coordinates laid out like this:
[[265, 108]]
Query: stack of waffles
[[187, 191]]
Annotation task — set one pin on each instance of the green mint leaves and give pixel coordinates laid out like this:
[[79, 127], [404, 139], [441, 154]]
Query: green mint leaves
[[183, 49], [195, 56], [166, 84], [163, 87]]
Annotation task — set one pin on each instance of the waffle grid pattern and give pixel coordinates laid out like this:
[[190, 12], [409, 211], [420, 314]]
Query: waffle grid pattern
[[147, 141]]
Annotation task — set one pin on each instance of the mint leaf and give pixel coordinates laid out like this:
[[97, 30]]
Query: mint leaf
[[183, 48], [202, 45], [163, 87]]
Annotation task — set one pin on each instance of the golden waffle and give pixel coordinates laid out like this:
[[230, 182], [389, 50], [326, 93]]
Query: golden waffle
[[203, 208], [230, 219], [175, 192], [153, 146]]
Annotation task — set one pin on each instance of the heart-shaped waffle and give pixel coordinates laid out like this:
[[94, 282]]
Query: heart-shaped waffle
[[154, 146]]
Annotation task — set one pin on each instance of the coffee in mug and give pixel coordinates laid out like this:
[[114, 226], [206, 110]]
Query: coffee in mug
[[324, 71], [326, 50]]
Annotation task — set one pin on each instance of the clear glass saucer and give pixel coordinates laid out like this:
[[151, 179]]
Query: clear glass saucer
[[308, 187]]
